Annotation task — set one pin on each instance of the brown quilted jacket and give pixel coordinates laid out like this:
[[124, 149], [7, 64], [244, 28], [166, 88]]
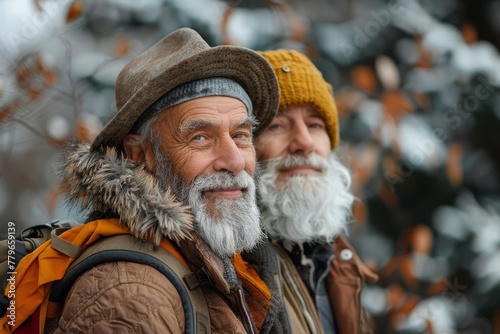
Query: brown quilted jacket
[[126, 297]]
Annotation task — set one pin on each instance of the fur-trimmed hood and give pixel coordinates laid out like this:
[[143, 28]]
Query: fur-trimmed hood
[[109, 182]]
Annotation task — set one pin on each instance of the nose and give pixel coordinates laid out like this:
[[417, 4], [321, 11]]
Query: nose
[[301, 143], [229, 157]]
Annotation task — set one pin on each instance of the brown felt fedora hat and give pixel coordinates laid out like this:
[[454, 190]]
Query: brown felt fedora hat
[[181, 57]]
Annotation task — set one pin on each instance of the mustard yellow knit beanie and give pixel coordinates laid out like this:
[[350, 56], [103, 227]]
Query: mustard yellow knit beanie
[[302, 83]]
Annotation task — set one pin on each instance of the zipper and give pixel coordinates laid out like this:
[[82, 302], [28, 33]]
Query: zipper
[[245, 315], [306, 305], [295, 282]]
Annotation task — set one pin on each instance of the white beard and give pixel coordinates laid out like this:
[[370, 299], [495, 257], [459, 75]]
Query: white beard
[[305, 208], [234, 227]]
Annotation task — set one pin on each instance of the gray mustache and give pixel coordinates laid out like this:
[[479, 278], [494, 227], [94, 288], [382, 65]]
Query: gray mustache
[[222, 180], [294, 160]]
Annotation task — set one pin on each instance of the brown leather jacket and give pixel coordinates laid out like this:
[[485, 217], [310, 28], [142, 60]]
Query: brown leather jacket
[[344, 283], [243, 294]]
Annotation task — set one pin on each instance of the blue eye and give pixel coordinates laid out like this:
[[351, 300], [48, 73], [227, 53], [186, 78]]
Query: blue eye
[[242, 136], [317, 125], [198, 137]]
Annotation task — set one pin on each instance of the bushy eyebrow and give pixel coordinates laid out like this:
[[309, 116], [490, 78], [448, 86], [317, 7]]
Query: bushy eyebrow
[[317, 116], [249, 121], [209, 123], [198, 124]]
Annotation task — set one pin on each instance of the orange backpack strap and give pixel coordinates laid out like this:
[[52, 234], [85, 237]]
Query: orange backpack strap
[[125, 247]]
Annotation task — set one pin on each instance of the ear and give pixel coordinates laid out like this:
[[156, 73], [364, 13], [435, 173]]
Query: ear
[[134, 151]]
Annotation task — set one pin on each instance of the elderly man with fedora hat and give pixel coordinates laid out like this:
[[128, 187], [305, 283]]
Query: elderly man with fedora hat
[[174, 168], [305, 202]]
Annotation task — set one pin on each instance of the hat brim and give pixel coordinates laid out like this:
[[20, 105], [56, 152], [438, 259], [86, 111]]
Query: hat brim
[[246, 67]]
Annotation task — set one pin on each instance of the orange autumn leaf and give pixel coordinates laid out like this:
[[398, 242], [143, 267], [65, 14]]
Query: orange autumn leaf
[[342, 102], [418, 239], [122, 46], [453, 165], [297, 28], [347, 100], [50, 78], [33, 93], [429, 327], [437, 288], [9, 110], [421, 239], [392, 177], [28, 69], [82, 132], [409, 303], [395, 295], [405, 307], [469, 33], [38, 64], [22, 74], [425, 57], [75, 11], [364, 78], [396, 103]]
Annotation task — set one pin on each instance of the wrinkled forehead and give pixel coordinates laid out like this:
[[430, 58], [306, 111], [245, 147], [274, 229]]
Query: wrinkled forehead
[[212, 112], [305, 109]]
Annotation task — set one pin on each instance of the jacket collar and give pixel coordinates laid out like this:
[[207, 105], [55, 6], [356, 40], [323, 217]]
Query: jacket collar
[[340, 244]]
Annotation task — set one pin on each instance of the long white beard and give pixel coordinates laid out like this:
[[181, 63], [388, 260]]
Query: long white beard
[[234, 226], [305, 208]]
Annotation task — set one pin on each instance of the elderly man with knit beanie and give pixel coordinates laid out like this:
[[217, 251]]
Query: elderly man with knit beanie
[[305, 202]]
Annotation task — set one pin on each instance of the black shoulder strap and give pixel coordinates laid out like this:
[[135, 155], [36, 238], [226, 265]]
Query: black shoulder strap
[[127, 248]]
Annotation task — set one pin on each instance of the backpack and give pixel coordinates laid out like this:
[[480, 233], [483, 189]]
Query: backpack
[[121, 247], [13, 249]]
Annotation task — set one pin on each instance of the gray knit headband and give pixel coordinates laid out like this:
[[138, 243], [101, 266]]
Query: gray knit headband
[[192, 90]]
